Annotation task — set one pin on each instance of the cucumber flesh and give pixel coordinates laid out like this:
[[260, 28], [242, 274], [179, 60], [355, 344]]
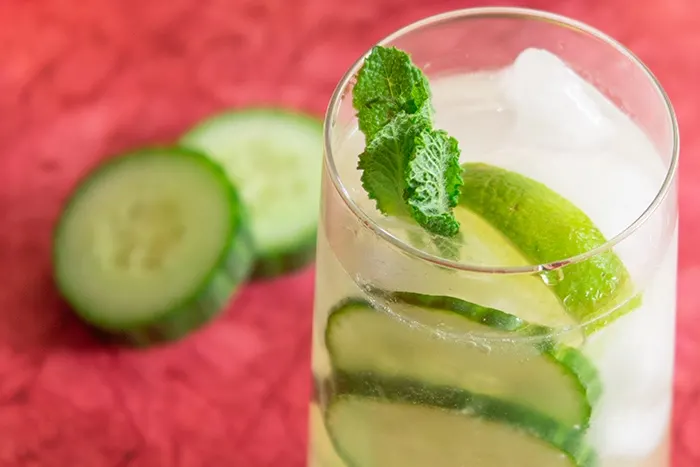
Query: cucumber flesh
[[275, 157], [152, 245], [436, 340], [389, 422]]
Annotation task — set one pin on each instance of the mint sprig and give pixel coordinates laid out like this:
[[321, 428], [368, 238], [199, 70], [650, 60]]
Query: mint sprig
[[434, 181], [410, 169], [385, 164], [387, 84]]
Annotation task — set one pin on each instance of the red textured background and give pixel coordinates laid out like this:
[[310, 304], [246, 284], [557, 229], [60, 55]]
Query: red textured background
[[84, 78]]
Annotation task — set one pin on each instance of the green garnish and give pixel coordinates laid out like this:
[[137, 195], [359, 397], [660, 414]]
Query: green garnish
[[388, 84], [385, 162], [410, 169], [434, 182]]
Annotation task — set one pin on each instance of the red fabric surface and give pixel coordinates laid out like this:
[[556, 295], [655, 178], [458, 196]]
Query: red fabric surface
[[83, 78]]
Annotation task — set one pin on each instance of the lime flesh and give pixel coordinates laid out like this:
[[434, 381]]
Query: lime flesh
[[547, 228]]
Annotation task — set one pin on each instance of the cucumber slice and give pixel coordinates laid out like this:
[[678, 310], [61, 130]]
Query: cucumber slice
[[321, 450], [392, 422], [275, 157], [428, 339], [152, 245]]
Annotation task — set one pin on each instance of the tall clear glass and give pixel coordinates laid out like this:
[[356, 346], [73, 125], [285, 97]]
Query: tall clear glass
[[502, 348]]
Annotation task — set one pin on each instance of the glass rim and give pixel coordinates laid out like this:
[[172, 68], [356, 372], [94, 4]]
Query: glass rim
[[499, 12]]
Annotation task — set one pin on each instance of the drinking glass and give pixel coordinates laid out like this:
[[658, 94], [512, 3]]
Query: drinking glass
[[499, 349]]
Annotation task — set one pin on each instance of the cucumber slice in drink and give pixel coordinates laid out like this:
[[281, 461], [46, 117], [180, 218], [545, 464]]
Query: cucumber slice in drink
[[321, 450], [546, 228], [274, 156], [152, 245], [437, 340], [393, 422]]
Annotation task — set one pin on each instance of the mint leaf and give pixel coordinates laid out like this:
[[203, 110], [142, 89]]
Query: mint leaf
[[434, 180], [387, 84], [448, 248], [408, 168], [384, 163]]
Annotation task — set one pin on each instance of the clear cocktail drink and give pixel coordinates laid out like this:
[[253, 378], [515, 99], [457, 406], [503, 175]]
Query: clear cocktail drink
[[543, 334]]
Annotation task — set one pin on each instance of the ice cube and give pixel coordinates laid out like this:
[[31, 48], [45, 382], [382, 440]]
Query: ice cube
[[554, 105]]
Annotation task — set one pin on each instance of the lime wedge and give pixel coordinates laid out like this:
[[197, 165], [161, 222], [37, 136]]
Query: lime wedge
[[546, 227]]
